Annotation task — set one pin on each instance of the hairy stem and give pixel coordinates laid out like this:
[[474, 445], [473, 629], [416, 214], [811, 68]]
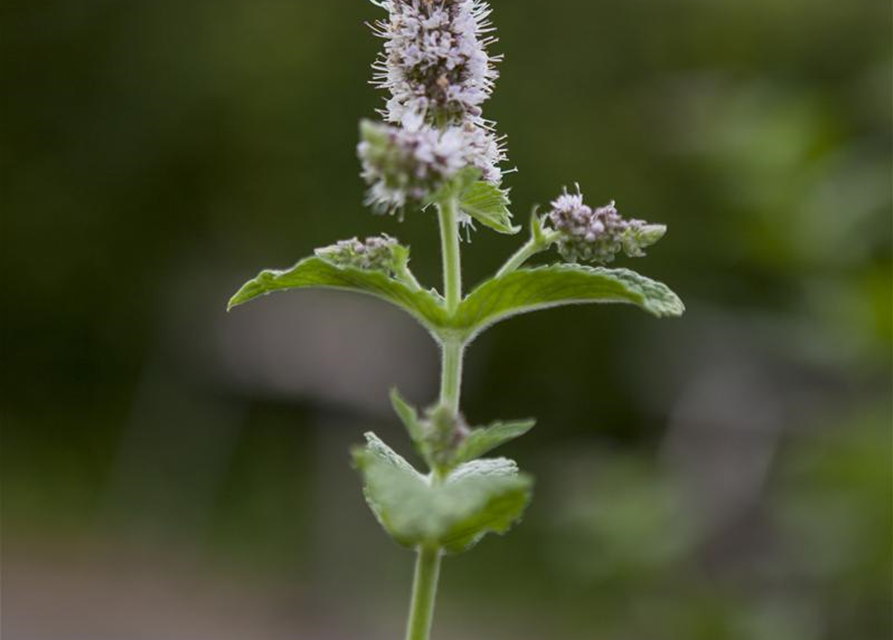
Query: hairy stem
[[427, 568], [452, 264], [537, 244], [451, 375], [406, 277], [424, 592]]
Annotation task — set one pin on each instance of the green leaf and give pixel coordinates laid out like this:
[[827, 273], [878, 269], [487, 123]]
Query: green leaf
[[408, 416], [527, 290], [376, 447], [484, 440], [396, 493], [488, 204], [424, 306], [480, 497], [483, 496], [483, 201]]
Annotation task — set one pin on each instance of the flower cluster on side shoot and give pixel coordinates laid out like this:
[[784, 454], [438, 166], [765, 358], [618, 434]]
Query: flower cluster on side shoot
[[435, 151], [584, 234]]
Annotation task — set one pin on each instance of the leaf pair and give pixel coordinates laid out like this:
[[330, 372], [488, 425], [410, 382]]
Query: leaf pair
[[476, 498], [497, 299]]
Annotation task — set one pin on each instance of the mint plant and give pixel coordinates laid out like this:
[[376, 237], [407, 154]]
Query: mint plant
[[435, 154]]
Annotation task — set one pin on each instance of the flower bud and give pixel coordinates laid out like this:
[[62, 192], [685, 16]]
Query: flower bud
[[377, 253], [445, 431], [640, 235]]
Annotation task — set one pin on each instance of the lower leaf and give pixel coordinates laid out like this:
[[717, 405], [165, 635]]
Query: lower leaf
[[480, 497]]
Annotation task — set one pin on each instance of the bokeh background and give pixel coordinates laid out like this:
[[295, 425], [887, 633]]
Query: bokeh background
[[173, 472]]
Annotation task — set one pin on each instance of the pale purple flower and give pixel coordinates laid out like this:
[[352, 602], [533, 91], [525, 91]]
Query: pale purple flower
[[435, 62], [439, 73], [597, 235], [408, 166]]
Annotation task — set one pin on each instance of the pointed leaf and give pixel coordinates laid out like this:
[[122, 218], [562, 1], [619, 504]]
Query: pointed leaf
[[488, 204], [483, 440], [424, 306], [408, 416], [397, 494], [376, 447], [527, 290], [483, 201]]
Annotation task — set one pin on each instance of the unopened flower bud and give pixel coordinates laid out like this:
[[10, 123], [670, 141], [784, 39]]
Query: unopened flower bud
[[378, 253], [640, 235], [445, 431]]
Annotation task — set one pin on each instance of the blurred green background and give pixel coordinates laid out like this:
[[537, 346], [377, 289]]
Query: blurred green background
[[172, 472]]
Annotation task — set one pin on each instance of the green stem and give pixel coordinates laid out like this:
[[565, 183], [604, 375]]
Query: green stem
[[535, 245], [427, 568], [451, 375], [424, 592], [452, 264]]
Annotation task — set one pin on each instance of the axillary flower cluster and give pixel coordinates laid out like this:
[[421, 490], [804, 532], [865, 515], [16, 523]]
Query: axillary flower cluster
[[434, 151], [597, 235]]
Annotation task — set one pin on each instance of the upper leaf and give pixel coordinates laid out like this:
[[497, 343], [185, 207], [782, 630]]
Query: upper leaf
[[424, 306], [475, 499], [496, 299], [483, 440], [484, 201], [527, 290], [488, 204]]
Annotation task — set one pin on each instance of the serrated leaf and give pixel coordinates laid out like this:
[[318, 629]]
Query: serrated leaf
[[483, 440], [424, 306], [488, 204], [527, 290], [396, 493], [376, 447], [489, 467], [488, 496], [475, 499]]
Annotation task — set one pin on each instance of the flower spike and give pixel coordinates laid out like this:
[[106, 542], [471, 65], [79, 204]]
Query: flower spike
[[436, 63]]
